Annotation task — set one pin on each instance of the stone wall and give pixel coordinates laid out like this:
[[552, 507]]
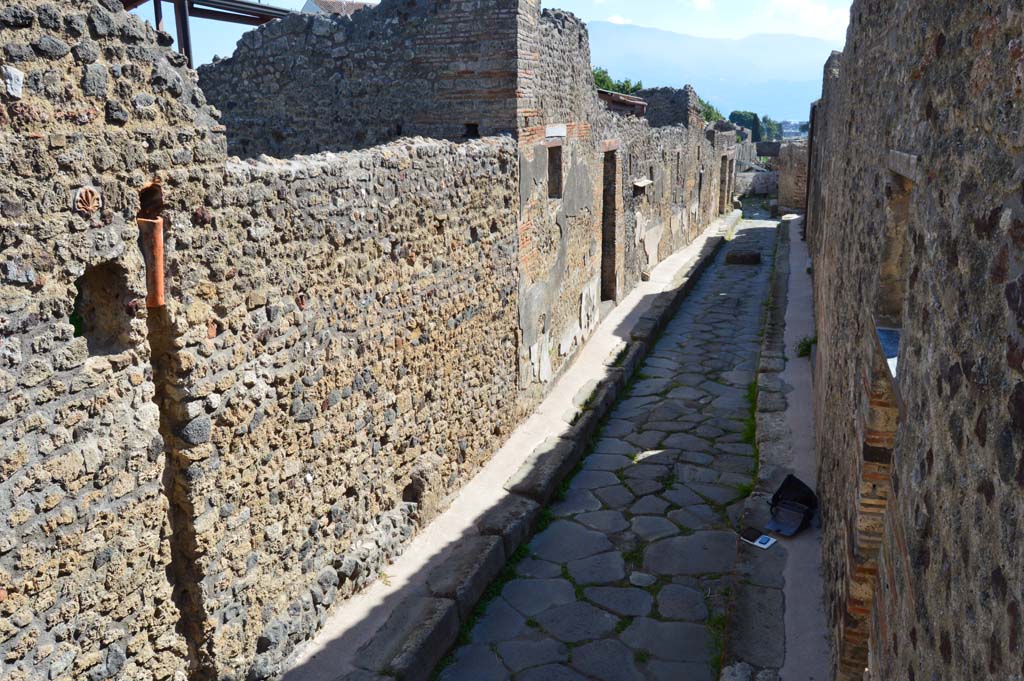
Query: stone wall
[[92, 105], [331, 82], [792, 165], [672, 106], [583, 250], [187, 490], [761, 183], [917, 199], [349, 364]]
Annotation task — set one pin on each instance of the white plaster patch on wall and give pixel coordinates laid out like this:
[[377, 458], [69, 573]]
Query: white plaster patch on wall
[[540, 358], [590, 298]]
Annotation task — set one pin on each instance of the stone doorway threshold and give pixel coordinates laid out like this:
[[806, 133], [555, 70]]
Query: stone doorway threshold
[[411, 620]]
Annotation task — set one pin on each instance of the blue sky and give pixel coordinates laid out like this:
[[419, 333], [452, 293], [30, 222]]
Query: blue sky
[[826, 19]]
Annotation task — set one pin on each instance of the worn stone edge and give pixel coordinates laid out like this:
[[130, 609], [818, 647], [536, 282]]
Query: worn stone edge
[[773, 347], [607, 391]]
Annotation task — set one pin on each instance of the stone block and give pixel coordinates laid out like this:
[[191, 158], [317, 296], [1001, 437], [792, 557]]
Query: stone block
[[542, 473], [467, 570], [415, 638], [513, 519]]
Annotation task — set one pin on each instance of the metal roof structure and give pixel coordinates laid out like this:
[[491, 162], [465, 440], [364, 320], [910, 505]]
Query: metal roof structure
[[232, 11]]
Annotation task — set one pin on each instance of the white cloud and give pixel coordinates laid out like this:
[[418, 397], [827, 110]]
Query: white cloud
[[808, 17], [616, 19], [704, 5]]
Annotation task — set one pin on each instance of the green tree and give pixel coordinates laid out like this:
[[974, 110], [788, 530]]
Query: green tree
[[604, 81], [744, 118], [709, 112], [772, 129], [749, 120]]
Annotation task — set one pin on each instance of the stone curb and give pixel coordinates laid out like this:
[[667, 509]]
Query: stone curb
[[746, 653], [422, 629]]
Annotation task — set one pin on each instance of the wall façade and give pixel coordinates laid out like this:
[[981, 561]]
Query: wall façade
[[916, 216], [326, 82], [193, 487], [92, 106]]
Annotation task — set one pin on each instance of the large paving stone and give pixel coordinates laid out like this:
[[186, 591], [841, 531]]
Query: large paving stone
[[650, 528], [708, 552], [624, 601], [677, 602], [601, 569], [682, 496], [689, 474], [757, 634], [475, 662], [677, 641], [520, 655], [550, 672], [587, 479], [531, 596], [687, 442], [606, 462], [538, 569], [607, 660], [697, 517], [763, 568], [612, 445], [642, 487], [716, 493], [647, 471], [649, 505], [616, 496], [500, 622], [413, 640], [564, 541], [466, 572], [576, 501], [661, 670], [646, 439], [604, 521], [577, 622]]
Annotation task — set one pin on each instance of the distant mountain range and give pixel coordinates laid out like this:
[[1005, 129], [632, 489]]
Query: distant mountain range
[[774, 75]]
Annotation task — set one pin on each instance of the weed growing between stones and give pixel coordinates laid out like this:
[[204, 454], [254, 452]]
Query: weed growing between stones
[[806, 344], [544, 519], [716, 629], [750, 427], [507, 574]]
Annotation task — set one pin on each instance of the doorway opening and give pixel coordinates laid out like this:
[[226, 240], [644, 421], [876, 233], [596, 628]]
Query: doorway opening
[[723, 186], [608, 226]]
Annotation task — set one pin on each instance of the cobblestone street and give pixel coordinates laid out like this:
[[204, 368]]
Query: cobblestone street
[[629, 578]]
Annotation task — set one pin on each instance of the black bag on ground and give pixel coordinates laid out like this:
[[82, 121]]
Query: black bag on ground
[[793, 505]]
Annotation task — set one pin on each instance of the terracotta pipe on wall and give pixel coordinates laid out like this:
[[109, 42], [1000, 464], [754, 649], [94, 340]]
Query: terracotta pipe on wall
[[153, 251], [151, 228]]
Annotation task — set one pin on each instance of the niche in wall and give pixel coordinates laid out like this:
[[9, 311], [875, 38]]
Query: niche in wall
[[101, 311]]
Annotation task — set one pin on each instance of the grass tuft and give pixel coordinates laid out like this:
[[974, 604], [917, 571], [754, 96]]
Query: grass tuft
[[716, 629], [803, 348]]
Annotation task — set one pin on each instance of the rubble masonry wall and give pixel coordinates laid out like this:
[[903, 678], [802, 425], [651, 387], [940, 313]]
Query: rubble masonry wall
[[919, 201]]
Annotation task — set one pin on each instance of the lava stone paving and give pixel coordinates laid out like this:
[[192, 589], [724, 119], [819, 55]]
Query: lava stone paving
[[628, 579]]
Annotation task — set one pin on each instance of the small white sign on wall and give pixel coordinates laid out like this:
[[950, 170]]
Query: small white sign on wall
[[556, 131]]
